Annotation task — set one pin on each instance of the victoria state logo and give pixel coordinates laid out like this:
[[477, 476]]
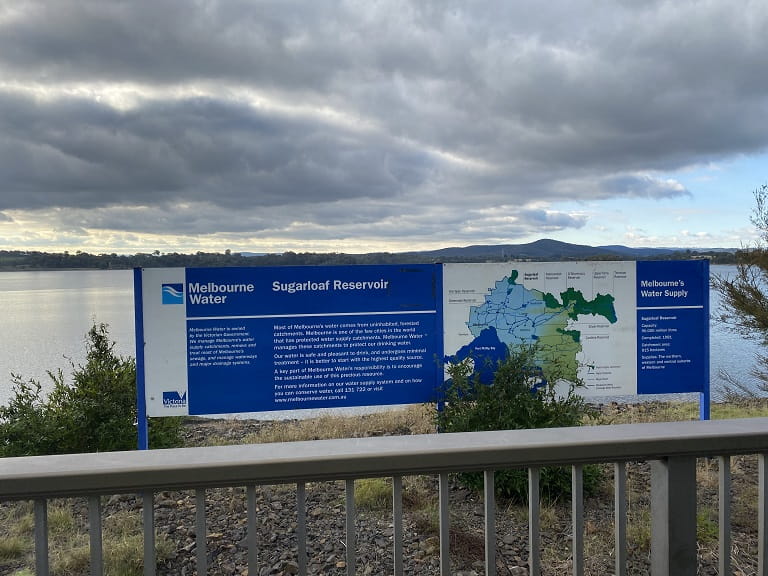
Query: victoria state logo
[[172, 399], [173, 293]]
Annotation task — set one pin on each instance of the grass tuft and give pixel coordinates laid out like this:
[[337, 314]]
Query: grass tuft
[[373, 494], [124, 545], [61, 521], [13, 548], [72, 557], [707, 531]]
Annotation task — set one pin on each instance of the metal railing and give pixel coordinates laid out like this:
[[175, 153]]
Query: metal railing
[[672, 449]]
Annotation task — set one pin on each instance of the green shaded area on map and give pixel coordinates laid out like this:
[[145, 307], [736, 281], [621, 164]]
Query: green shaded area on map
[[601, 305], [523, 316]]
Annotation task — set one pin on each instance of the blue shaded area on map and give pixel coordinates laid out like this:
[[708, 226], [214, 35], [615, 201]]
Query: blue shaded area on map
[[517, 314], [487, 351]]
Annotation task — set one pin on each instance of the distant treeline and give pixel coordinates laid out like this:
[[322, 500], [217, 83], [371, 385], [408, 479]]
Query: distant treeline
[[29, 260]]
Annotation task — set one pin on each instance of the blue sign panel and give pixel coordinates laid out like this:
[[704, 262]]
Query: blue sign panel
[[286, 338], [233, 340], [672, 327]]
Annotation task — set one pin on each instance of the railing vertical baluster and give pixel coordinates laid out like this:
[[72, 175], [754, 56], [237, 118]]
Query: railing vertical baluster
[[148, 513], [534, 523], [397, 524], [301, 526], [41, 537], [620, 517], [724, 513], [201, 533], [673, 516], [762, 516], [577, 518], [252, 536], [350, 524], [94, 534], [489, 504], [445, 527]]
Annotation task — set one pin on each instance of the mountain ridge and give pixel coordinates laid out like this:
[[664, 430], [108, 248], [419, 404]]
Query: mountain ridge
[[554, 249]]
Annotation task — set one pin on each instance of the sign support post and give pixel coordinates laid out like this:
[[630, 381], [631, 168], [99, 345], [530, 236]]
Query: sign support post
[[705, 397], [142, 422]]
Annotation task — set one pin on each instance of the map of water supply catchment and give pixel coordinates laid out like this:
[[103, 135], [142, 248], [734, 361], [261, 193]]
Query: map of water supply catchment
[[581, 316]]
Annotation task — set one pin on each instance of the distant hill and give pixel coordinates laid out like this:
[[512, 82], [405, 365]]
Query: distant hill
[[640, 252], [553, 250]]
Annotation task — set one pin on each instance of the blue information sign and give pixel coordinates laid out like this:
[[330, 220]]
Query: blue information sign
[[285, 338], [234, 340], [672, 327]]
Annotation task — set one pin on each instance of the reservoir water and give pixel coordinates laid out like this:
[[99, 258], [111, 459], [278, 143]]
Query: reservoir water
[[46, 316]]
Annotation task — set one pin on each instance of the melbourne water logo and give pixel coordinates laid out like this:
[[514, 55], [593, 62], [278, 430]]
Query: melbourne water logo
[[173, 293], [173, 399]]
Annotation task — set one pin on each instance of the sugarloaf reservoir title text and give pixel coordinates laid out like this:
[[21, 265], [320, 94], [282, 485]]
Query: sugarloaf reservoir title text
[[214, 293]]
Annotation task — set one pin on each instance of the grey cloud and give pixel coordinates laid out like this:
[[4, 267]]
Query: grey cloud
[[642, 187], [446, 108], [551, 220], [559, 84], [164, 41], [190, 219], [79, 154], [321, 221]]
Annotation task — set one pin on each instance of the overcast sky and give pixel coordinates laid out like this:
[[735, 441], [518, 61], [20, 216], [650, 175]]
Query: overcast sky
[[320, 125]]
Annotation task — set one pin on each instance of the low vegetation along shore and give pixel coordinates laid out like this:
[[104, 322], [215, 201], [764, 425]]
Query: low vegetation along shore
[[226, 512]]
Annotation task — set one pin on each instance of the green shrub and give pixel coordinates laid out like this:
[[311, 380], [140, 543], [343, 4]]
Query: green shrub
[[521, 396], [96, 412]]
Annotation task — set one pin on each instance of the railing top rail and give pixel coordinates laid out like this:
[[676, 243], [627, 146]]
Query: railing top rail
[[186, 468]]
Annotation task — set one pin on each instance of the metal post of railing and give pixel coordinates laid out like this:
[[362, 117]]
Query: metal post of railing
[[94, 534], [301, 526], [252, 534], [397, 524], [673, 516], [201, 533], [490, 522], [41, 537], [620, 517], [351, 537], [534, 523], [148, 513], [445, 526], [577, 518], [724, 513]]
